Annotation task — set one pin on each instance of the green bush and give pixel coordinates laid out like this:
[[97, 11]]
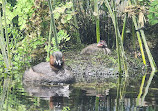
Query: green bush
[[153, 12]]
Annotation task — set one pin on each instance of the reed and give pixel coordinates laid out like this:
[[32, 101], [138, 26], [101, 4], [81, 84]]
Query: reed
[[154, 69], [150, 57], [6, 30], [139, 40], [147, 86], [124, 27], [53, 24], [143, 56], [4, 94], [119, 43], [118, 93], [122, 40], [3, 46], [140, 89], [96, 14], [113, 16], [151, 60]]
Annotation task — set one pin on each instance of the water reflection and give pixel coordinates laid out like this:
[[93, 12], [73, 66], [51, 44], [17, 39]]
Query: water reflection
[[146, 90], [54, 94], [98, 98], [122, 98], [140, 103]]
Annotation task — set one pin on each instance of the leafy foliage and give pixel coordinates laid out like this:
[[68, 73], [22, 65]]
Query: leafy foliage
[[23, 48], [38, 24], [36, 16], [153, 12], [62, 36], [64, 13], [22, 10]]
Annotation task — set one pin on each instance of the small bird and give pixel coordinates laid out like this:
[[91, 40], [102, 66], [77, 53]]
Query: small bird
[[57, 60], [96, 48], [49, 72], [102, 44]]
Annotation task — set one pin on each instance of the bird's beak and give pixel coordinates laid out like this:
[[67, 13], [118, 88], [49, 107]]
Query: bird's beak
[[99, 45], [58, 62]]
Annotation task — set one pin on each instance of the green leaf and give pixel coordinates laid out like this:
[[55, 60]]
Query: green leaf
[[56, 15], [69, 4], [63, 21], [153, 16], [69, 17]]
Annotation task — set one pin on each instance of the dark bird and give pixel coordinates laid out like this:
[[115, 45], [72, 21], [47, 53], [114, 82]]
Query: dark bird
[[49, 72], [57, 61], [95, 48]]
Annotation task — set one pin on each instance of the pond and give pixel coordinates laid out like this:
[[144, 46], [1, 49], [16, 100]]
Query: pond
[[64, 97], [109, 93]]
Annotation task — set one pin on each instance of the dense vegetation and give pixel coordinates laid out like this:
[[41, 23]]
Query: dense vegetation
[[27, 25], [30, 28]]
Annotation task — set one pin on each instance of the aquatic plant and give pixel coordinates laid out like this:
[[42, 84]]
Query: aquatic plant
[[53, 27], [119, 43], [96, 14]]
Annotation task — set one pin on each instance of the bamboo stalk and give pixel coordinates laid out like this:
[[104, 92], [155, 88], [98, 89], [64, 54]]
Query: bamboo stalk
[[53, 24], [97, 20]]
